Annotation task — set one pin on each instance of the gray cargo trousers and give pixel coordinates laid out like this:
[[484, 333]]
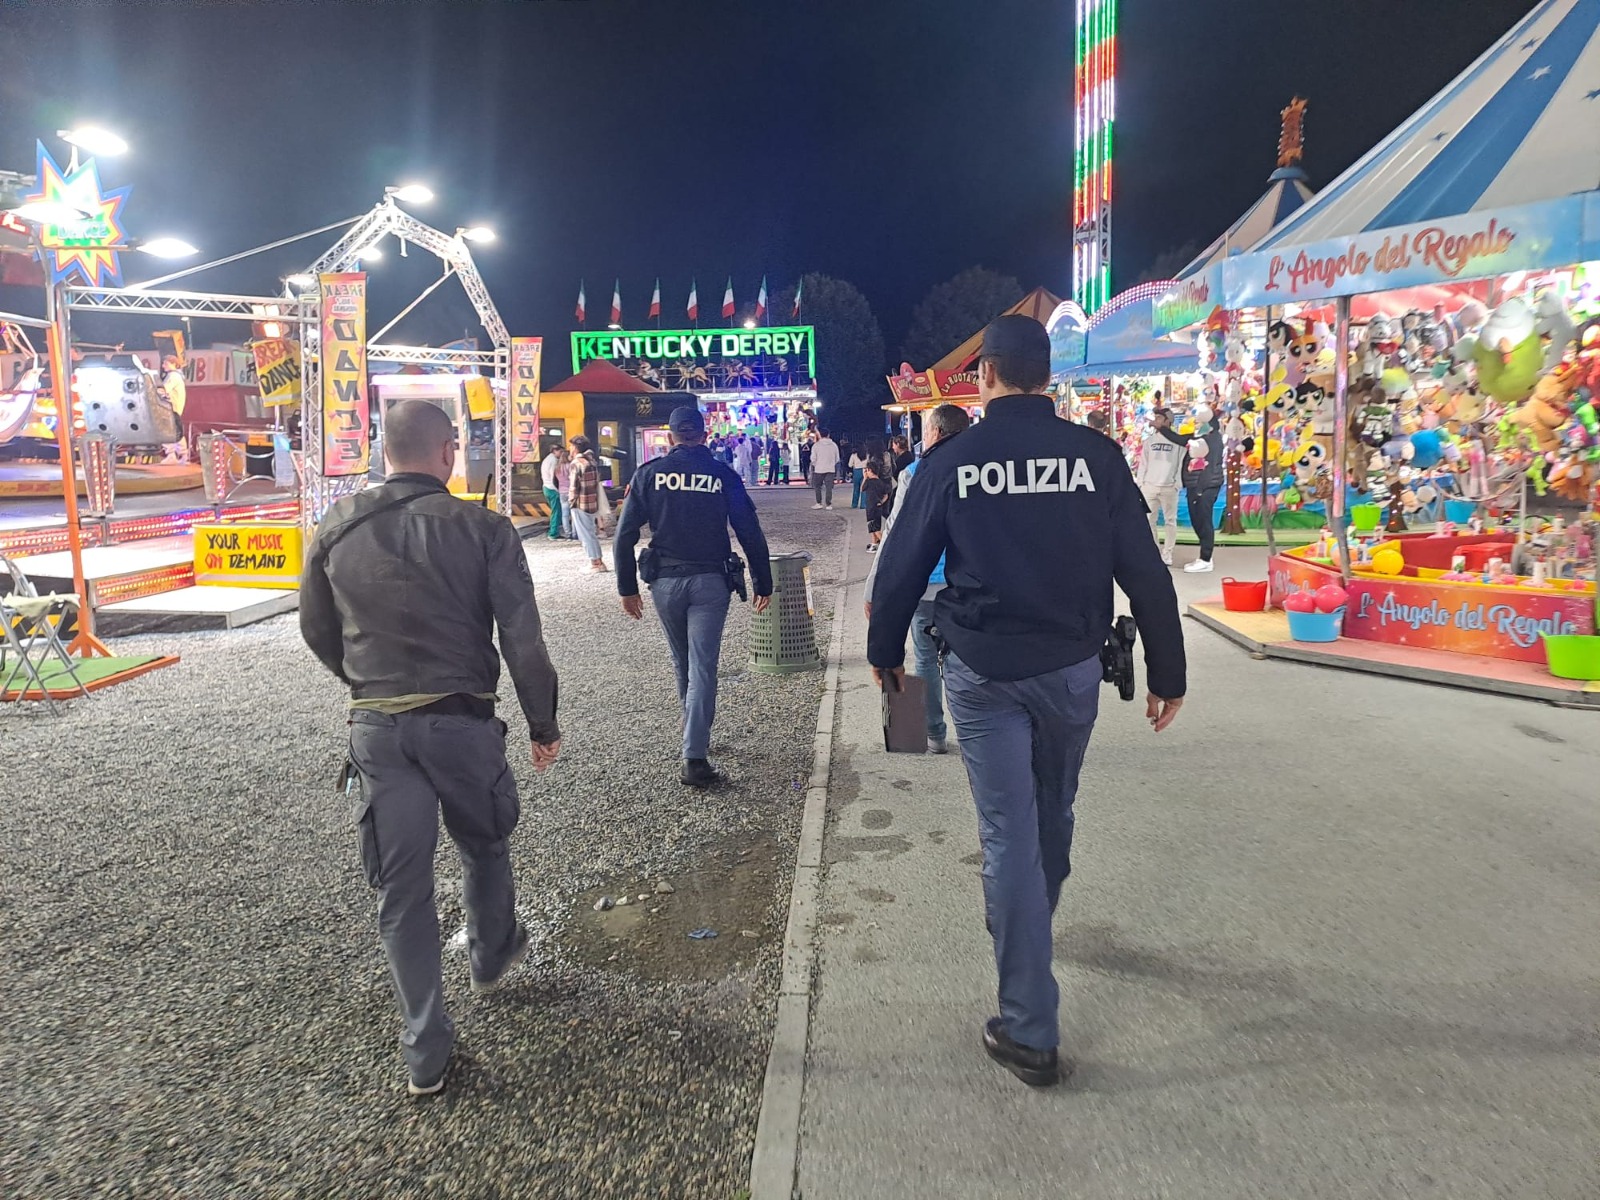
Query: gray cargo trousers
[[412, 766]]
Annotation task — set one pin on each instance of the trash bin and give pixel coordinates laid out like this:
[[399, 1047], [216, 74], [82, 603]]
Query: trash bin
[[783, 639]]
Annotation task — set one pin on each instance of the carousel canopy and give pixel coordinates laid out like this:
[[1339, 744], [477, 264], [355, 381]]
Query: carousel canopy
[[1520, 125], [1286, 192], [602, 378]]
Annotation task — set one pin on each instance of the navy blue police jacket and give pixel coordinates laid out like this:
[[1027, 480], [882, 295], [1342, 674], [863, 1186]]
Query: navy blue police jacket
[[1036, 517], [689, 498]]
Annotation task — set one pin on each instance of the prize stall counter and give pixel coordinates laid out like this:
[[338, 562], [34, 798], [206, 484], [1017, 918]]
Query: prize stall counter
[[1445, 592]]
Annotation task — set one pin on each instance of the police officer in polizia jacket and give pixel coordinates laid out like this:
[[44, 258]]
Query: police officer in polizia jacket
[[403, 589], [689, 499], [1037, 517]]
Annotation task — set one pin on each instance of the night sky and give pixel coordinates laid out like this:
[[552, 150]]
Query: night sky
[[889, 142]]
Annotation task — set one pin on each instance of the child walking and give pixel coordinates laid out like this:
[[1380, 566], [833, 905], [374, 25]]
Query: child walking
[[875, 493]]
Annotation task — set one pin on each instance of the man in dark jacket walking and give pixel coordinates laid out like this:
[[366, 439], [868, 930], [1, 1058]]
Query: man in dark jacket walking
[[1202, 480], [403, 590]]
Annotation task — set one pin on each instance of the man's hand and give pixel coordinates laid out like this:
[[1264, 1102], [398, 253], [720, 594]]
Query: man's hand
[[897, 678], [761, 603], [868, 607], [1161, 712], [633, 606], [545, 755]]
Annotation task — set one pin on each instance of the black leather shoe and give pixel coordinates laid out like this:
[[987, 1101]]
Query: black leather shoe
[[699, 773], [1036, 1068]]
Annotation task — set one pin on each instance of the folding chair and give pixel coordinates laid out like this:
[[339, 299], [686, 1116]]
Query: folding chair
[[32, 636]]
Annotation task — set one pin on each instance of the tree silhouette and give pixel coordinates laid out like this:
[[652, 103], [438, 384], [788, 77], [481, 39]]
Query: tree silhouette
[[955, 310]]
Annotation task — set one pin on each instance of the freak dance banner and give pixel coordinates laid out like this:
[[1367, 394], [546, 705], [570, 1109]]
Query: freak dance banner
[[526, 354], [346, 416]]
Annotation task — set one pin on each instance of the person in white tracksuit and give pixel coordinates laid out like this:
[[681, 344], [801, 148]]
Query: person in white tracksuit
[[1160, 467]]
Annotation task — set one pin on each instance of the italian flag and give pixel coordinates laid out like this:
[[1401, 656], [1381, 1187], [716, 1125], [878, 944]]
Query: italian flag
[[694, 301], [616, 304], [727, 300], [655, 300], [761, 301], [583, 311]]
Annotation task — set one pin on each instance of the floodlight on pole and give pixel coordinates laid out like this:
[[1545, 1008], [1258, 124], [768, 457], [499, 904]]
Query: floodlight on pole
[[166, 247], [750, 323], [477, 233], [369, 253], [94, 141], [300, 281], [410, 193]]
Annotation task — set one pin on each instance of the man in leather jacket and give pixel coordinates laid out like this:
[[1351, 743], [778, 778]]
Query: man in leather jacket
[[403, 589]]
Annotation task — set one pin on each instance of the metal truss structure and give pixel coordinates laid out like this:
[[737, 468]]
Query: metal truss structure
[[387, 219], [318, 490]]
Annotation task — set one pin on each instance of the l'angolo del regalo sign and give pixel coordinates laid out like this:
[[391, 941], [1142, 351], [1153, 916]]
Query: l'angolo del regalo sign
[[658, 346], [1476, 245], [524, 399]]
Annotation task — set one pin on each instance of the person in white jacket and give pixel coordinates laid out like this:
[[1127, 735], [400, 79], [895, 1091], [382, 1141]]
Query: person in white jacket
[[1160, 467]]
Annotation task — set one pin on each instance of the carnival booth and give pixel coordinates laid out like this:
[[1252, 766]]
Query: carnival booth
[[1433, 333], [952, 380], [625, 417]]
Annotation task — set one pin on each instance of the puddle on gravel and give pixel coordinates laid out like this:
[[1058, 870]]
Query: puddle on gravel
[[733, 895]]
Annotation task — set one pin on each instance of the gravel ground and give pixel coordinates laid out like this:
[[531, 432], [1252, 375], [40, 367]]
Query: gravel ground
[[197, 1002]]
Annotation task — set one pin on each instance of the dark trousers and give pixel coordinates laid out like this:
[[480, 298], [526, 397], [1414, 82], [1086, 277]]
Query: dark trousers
[[412, 766], [1023, 744], [772, 469], [1202, 515]]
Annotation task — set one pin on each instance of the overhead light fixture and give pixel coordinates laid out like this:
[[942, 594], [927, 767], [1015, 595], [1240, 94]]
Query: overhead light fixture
[[91, 139], [51, 212], [369, 253], [750, 324], [300, 281], [478, 233], [613, 325], [410, 193], [166, 247]]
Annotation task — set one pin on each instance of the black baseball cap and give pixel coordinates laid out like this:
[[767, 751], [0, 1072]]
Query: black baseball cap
[[1015, 337], [686, 419]]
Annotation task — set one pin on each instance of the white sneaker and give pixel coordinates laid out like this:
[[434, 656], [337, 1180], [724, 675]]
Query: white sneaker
[[829, 507], [816, 506], [1198, 567], [872, 547], [1166, 557]]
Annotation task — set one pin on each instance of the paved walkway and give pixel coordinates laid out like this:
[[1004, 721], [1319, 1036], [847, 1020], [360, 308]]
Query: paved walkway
[[1330, 936]]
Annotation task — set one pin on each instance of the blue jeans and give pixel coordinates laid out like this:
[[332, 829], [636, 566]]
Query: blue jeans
[[693, 610], [925, 652], [1023, 744], [568, 529], [586, 523], [857, 478]]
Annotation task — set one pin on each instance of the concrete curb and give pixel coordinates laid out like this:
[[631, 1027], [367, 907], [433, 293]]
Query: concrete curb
[[775, 1161], [1563, 697]]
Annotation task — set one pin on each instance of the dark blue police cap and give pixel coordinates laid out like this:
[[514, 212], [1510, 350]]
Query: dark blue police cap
[[686, 419], [1015, 337]]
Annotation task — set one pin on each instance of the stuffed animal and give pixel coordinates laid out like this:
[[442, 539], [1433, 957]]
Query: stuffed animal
[[1509, 354], [1304, 349], [1543, 413], [1554, 322]]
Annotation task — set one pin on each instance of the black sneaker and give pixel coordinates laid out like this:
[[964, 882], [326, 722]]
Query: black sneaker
[[699, 773], [519, 951], [1036, 1068]]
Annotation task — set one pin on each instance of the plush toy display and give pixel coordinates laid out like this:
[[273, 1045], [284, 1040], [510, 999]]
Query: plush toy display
[[1509, 353]]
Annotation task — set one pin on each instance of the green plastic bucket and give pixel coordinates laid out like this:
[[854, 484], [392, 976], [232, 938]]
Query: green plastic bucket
[[1365, 517], [1573, 655]]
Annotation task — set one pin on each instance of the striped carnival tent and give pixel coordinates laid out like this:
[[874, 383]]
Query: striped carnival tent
[[1286, 192], [1520, 125]]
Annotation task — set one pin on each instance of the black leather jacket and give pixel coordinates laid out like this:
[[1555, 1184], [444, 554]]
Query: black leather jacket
[[405, 601]]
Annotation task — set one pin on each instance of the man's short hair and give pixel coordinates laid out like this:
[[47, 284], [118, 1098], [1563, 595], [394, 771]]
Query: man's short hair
[[581, 444], [1098, 420], [1024, 374], [1161, 412], [948, 420], [414, 431]]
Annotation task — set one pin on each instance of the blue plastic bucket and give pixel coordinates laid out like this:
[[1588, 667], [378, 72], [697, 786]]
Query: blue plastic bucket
[[1459, 511], [1316, 626]]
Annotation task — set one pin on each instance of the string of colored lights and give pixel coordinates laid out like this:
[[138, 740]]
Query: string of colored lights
[[1094, 95]]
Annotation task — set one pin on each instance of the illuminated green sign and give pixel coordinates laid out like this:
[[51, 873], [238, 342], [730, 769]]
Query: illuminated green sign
[[794, 343]]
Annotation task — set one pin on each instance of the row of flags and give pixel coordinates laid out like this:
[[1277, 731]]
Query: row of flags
[[692, 310]]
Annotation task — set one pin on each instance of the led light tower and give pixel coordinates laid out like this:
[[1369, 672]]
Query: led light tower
[[1094, 76]]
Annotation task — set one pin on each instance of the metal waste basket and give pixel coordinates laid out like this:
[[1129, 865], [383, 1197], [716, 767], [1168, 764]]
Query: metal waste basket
[[783, 639]]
